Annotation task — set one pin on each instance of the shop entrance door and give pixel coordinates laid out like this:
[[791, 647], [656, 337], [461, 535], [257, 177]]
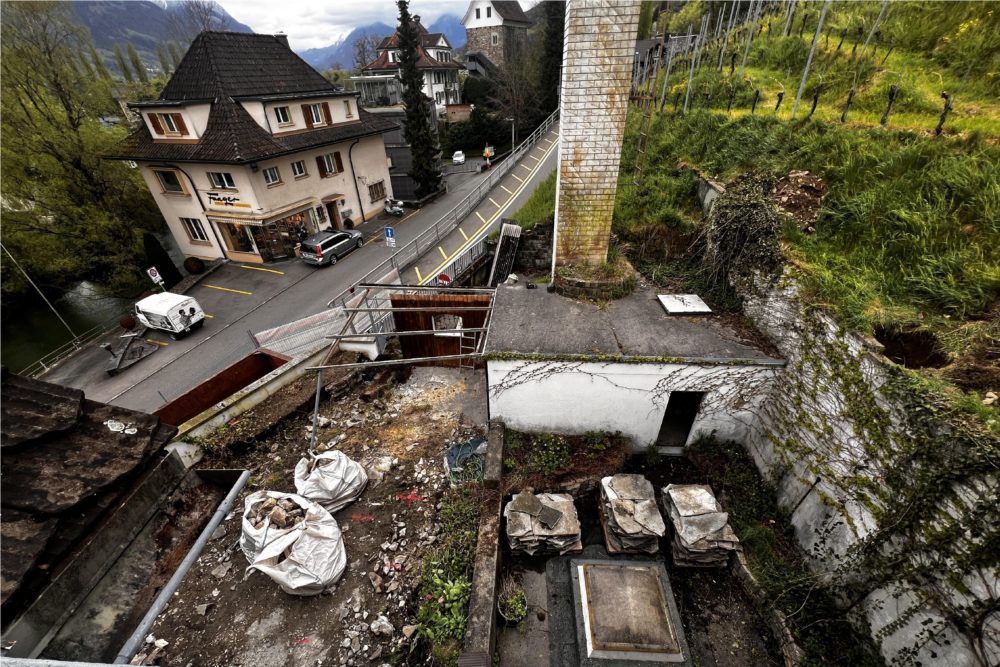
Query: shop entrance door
[[273, 242]]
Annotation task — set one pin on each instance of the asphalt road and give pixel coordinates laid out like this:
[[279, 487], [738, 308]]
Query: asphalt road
[[241, 298]]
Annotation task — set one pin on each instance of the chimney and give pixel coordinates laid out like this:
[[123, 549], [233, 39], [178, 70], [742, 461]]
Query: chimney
[[283, 38]]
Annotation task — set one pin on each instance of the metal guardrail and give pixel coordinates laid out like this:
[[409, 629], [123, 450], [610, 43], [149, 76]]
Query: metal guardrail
[[66, 349], [431, 236]]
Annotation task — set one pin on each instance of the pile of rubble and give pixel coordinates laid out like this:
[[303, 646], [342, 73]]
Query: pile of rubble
[[629, 516], [702, 535], [283, 513], [542, 524]]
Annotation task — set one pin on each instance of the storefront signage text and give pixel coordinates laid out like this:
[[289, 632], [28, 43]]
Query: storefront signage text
[[216, 199]]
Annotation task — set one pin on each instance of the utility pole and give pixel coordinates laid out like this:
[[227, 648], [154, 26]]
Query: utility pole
[[812, 51], [32, 283]]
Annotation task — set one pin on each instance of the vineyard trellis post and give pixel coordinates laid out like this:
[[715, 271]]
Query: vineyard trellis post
[[788, 18], [754, 11], [694, 57], [729, 29], [812, 52], [666, 73], [871, 33]]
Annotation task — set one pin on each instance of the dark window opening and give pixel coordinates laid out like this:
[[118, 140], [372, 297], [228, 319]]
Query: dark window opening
[[682, 408]]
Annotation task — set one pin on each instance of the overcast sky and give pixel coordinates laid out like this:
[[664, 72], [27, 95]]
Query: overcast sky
[[314, 23]]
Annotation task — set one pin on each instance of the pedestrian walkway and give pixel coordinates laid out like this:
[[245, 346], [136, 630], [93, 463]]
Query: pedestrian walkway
[[505, 199]]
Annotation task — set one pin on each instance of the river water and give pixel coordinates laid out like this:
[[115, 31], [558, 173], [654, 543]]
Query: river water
[[30, 330]]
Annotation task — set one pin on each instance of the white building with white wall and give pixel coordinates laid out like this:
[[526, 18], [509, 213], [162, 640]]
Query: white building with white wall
[[249, 149], [564, 366]]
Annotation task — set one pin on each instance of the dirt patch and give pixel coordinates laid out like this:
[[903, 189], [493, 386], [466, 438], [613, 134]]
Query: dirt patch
[[800, 194], [916, 348], [548, 462], [222, 615]]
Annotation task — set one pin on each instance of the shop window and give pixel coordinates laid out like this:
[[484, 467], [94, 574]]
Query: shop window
[[299, 169], [271, 176], [222, 180], [237, 237], [170, 183], [281, 114], [377, 191], [195, 230]]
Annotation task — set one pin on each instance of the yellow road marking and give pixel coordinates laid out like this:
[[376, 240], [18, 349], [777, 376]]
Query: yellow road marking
[[533, 158], [443, 253], [517, 177], [494, 202], [157, 342], [505, 189], [260, 268], [209, 316], [408, 216], [486, 223], [419, 278], [481, 218], [229, 289], [525, 166], [463, 233], [547, 141]]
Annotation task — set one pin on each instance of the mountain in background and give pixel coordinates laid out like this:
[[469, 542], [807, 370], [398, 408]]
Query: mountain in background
[[146, 25], [342, 52], [451, 26]]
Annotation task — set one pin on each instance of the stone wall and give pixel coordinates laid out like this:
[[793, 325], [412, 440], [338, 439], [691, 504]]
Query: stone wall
[[598, 55], [843, 440], [510, 40], [534, 250]]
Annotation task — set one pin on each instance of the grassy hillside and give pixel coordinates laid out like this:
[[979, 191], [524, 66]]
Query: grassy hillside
[[908, 234]]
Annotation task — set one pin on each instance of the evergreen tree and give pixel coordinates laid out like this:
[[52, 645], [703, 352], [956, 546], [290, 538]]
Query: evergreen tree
[[99, 67], [551, 61], [164, 62], [418, 133], [175, 54], [137, 66], [122, 65]]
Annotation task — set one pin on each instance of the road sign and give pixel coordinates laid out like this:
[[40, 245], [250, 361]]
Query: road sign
[[444, 279], [390, 237], [154, 275]]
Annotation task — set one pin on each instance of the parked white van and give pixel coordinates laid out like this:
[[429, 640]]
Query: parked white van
[[174, 313]]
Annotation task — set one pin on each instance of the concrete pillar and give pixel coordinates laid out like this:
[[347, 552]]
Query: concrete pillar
[[598, 54]]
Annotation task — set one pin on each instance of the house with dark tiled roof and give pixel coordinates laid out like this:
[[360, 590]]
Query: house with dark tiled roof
[[249, 149], [434, 60], [497, 30]]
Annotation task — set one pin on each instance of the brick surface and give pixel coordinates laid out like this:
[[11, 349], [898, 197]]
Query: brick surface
[[597, 68]]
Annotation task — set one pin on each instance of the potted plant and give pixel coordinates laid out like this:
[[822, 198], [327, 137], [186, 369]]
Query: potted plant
[[512, 603]]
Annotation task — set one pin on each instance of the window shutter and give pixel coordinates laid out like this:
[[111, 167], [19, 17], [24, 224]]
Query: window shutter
[[340, 165], [307, 115], [179, 123], [155, 122], [321, 166], [326, 113]]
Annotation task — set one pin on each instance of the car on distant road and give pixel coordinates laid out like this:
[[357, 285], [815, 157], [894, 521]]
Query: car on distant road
[[458, 158], [327, 247]]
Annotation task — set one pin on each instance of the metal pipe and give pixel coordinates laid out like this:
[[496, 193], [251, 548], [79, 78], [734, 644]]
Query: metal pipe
[[354, 177], [396, 362], [139, 635], [416, 332], [47, 302]]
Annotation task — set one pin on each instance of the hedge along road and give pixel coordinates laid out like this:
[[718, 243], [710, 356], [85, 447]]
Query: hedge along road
[[298, 291]]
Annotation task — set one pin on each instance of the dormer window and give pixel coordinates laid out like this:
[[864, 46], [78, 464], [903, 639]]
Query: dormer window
[[477, 13], [393, 57], [489, 12], [316, 114], [168, 124], [281, 115]]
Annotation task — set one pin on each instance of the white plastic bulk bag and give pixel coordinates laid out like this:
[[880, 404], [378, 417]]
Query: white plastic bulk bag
[[331, 479]]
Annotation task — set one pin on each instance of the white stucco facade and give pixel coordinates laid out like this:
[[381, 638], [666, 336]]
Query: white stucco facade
[[573, 397]]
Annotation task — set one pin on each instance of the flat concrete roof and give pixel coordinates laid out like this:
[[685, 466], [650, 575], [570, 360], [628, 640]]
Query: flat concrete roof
[[538, 322]]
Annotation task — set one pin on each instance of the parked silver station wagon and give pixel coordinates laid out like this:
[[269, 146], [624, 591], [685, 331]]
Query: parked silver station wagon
[[327, 247]]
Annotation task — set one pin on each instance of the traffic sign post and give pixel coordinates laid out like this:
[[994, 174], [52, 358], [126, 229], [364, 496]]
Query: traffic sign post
[[390, 237], [155, 276]]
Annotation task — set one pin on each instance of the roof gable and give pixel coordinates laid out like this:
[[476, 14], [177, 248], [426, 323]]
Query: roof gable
[[510, 10]]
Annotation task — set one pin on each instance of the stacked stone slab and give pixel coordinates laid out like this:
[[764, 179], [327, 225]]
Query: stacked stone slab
[[542, 524], [631, 520], [702, 536]]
